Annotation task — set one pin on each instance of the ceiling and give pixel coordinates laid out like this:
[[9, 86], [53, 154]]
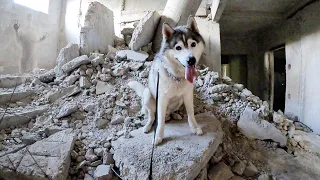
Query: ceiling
[[242, 17]]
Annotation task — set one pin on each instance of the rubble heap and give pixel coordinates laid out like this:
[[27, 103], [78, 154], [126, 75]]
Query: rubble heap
[[84, 118]]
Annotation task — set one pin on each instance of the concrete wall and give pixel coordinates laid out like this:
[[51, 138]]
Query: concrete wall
[[301, 36], [246, 45], [37, 42]]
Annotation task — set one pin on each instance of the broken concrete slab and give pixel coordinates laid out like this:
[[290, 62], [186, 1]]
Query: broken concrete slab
[[9, 81], [14, 118], [98, 30], [103, 87], [252, 126], [47, 77], [131, 55], [10, 97], [220, 172], [53, 96], [76, 62], [311, 141], [48, 158], [181, 156], [67, 109], [143, 33], [66, 54]]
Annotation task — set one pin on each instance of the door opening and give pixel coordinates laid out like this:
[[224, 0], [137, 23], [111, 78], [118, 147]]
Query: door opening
[[235, 67], [279, 79]]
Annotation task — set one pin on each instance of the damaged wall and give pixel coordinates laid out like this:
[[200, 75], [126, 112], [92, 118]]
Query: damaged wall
[[33, 41], [301, 36]]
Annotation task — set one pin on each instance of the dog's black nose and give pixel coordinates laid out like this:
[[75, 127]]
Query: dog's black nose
[[191, 61]]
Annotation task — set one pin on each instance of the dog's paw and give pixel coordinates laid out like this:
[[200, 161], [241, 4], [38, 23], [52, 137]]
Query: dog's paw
[[197, 131], [158, 140], [146, 128]]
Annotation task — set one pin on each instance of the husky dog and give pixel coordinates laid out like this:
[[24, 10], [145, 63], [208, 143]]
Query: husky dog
[[175, 64]]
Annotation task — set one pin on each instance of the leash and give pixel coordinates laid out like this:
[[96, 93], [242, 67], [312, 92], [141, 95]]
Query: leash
[[155, 124]]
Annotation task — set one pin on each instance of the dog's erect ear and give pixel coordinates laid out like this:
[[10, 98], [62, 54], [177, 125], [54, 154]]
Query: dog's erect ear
[[192, 24], [167, 31]]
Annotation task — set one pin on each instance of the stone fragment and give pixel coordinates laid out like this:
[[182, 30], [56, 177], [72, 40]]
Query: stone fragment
[[252, 126], [84, 82], [10, 97], [238, 87], [15, 118], [264, 177], [220, 172], [245, 93], [98, 30], [70, 80], [132, 155], [119, 71], [75, 63], [143, 33], [277, 118], [66, 54], [53, 96], [108, 158], [239, 167], [10, 81], [47, 77], [103, 172], [117, 119], [67, 109], [135, 66], [105, 77], [97, 60], [127, 31], [90, 156], [220, 88], [51, 154], [131, 55], [103, 87], [250, 170]]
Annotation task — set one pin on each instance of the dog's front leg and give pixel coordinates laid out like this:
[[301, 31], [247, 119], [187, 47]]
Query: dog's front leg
[[162, 107], [188, 102]]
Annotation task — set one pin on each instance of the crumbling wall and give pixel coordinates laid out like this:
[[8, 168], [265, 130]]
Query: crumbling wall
[[29, 38], [301, 36]]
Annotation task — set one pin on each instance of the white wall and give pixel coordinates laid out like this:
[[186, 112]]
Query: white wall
[[30, 48], [301, 36]]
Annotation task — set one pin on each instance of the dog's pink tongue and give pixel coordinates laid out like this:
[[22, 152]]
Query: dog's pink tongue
[[191, 73]]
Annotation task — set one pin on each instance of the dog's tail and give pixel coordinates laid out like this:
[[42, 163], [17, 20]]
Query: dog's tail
[[137, 87]]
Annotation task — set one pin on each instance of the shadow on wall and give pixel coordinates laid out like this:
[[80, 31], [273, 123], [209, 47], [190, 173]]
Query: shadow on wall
[[27, 40]]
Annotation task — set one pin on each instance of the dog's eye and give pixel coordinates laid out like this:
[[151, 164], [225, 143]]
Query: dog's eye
[[178, 48], [193, 44]]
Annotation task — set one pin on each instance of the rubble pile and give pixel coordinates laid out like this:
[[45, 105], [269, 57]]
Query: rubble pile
[[86, 121]]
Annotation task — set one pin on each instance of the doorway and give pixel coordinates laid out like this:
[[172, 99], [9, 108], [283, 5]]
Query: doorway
[[279, 79], [275, 78], [235, 67]]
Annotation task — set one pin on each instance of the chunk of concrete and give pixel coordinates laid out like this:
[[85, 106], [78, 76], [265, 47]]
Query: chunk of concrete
[[103, 172], [76, 62], [131, 55], [48, 157], [47, 77], [53, 96], [103, 87], [84, 82], [67, 109], [220, 172], [98, 30], [252, 126], [181, 156], [9, 81], [143, 33], [15, 118], [66, 54], [10, 97]]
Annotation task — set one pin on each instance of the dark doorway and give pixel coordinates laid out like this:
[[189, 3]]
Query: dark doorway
[[279, 79], [235, 67]]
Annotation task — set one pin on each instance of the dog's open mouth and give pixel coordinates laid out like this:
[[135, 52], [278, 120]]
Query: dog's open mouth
[[190, 73]]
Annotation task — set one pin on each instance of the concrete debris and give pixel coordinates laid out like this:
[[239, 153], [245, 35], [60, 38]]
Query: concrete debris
[[11, 97], [67, 109], [10, 81], [76, 62], [48, 157], [103, 87], [15, 117], [95, 35], [239, 167], [132, 155], [47, 77], [127, 31], [90, 156], [220, 172], [253, 127], [131, 55], [66, 54], [84, 82], [54, 96], [103, 172], [143, 33]]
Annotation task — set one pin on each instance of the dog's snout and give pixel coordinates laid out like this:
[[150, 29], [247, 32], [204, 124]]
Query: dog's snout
[[191, 61]]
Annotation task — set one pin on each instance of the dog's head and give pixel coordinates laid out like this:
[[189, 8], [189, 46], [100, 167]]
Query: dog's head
[[183, 46]]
